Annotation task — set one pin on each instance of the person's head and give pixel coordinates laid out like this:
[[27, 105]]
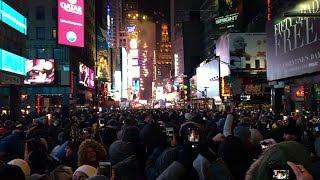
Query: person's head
[[21, 164], [291, 133], [84, 172], [243, 133], [11, 172], [239, 44], [90, 152]]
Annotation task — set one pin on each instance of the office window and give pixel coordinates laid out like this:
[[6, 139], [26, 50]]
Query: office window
[[54, 33], [40, 31], [54, 13], [248, 66], [257, 64], [41, 53], [56, 53], [40, 14]]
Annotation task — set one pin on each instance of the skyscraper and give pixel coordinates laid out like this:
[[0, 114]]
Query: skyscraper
[[164, 60]]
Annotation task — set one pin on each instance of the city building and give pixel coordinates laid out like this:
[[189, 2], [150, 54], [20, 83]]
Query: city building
[[164, 58], [13, 35], [187, 46], [43, 49], [85, 58], [63, 63]]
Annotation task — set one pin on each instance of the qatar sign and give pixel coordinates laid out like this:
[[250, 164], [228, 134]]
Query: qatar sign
[[71, 22]]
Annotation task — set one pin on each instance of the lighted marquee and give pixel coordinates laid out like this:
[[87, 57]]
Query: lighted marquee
[[13, 63], [13, 18], [71, 22]]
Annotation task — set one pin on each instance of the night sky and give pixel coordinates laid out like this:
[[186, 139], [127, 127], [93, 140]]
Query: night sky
[[149, 6]]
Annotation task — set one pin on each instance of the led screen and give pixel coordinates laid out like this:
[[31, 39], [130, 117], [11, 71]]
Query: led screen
[[86, 76], [71, 22], [40, 71], [208, 79], [12, 63], [13, 18], [293, 43], [135, 72], [135, 86]]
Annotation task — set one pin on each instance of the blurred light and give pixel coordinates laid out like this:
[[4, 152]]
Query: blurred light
[[133, 43]]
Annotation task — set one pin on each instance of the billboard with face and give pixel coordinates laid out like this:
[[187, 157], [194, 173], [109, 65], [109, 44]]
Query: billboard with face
[[248, 53], [40, 71], [86, 76], [71, 22]]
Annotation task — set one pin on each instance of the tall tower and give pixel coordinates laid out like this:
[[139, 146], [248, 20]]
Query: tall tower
[[165, 59]]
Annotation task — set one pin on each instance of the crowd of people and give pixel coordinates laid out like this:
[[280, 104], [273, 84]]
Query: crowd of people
[[162, 144]]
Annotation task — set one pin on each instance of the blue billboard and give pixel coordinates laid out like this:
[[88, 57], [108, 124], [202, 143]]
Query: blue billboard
[[13, 18], [12, 63]]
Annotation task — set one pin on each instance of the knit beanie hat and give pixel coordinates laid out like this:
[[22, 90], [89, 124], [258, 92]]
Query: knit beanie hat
[[88, 170], [22, 164], [279, 154]]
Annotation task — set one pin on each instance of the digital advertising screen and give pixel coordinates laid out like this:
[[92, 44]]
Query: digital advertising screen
[[13, 18], [135, 86], [40, 71], [13, 63], [86, 76], [248, 52], [293, 43], [71, 22], [207, 79]]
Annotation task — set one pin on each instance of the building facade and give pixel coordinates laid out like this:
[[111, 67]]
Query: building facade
[[13, 35]]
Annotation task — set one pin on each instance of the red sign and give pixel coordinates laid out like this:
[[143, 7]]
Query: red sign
[[71, 22]]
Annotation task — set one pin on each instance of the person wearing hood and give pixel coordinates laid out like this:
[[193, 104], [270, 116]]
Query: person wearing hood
[[90, 153]]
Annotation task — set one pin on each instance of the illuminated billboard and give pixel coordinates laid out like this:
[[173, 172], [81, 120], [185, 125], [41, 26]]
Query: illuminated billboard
[[13, 18], [124, 59], [40, 71], [208, 79], [248, 51], [86, 76], [103, 68], [71, 22], [135, 71], [135, 86], [12, 63], [293, 43], [243, 53]]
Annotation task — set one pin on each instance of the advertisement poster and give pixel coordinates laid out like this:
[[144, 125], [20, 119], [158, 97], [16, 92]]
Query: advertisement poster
[[208, 79], [13, 18], [103, 68], [40, 71], [71, 22], [86, 76], [13, 63], [293, 43], [248, 52]]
